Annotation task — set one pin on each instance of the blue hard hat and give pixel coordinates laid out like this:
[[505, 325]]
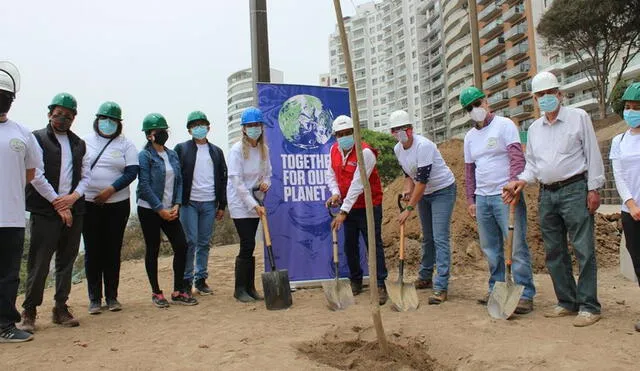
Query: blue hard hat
[[251, 115]]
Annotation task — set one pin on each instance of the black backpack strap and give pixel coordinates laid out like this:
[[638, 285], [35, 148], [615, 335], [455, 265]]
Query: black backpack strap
[[93, 164]]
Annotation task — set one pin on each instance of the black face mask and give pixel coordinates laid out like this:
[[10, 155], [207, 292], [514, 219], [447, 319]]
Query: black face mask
[[5, 102], [160, 137]]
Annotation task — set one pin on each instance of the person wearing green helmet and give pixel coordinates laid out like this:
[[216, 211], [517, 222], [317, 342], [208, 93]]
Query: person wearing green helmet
[[114, 165], [55, 199], [493, 156], [204, 197], [625, 159], [159, 198]]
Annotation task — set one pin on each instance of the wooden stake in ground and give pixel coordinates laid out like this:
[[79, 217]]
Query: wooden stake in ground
[[375, 305]]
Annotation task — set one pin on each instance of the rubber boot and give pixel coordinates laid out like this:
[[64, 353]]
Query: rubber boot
[[251, 283], [242, 275]]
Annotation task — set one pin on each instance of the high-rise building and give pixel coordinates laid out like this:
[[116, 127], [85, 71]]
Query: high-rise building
[[239, 97]]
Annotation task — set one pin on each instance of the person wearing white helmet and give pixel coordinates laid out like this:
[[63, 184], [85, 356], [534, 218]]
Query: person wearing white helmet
[[345, 184], [430, 185], [563, 156], [19, 158]]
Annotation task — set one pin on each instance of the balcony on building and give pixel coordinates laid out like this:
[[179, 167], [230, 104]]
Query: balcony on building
[[519, 70], [457, 29], [453, 48], [521, 90], [518, 51], [437, 69], [498, 99], [491, 29], [494, 82], [516, 32], [514, 13], [495, 63], [431, 14], [521, 111], [585, 101], [492, 47], [436, 97], [579, 80], [490, 11], [433, 28], [503, 112], [437, 83]]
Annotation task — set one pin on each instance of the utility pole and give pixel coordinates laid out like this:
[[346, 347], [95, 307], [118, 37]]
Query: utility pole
[[260, 70], [475, 44]]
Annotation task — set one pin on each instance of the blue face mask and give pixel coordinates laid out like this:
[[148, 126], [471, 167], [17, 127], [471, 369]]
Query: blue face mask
[[346, 142], [632, 118], [254, 132], [548, 102], [199, 132], [107, 127]]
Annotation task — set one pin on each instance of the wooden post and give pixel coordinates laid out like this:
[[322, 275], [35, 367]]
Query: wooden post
[[373, 282]]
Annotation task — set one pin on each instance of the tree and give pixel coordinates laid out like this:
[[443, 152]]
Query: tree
[[387, 164], [617, 104], [600, 34]]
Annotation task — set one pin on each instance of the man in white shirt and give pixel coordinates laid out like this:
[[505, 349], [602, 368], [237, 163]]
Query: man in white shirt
[[55, 199], [563, 155], [345, 184], [18, 160]]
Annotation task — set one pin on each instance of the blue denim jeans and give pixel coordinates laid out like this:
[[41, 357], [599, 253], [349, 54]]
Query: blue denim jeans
[[493, 225], [198, 221], [435, 217]]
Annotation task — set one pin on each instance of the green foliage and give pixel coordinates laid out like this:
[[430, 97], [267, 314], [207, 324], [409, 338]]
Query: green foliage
[[387, 163], [617, 104]]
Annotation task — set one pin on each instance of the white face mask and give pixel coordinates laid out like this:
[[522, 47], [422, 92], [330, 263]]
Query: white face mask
[[478, 114], [401, 136]]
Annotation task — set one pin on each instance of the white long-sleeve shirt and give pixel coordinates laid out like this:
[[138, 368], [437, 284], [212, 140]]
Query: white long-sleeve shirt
[[567, 147], [625, 158], [244, 175], [356, 188]]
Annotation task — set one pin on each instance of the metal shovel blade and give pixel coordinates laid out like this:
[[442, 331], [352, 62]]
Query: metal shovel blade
[[504, 299], [338, 294], [403, 295], [277, 290]]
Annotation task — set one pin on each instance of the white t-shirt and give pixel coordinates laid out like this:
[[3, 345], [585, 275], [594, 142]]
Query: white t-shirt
[[169, 179], [18, 152], [66, 165], [424, 152], [120, 153], [244, 175], [625, 155], [203, 184], [487, 148]]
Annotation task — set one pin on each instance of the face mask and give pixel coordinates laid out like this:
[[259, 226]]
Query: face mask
[[199, 132], [61, 123], [346, 142], [107, 127], [254, 132], [478, 114], [5, 103], [548, 102], [401, 136], [632, 118], [160, 137]]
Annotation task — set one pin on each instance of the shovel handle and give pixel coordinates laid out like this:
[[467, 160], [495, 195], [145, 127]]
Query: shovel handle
[[265, 229], [334, 235], [508, 249], [401, 252]]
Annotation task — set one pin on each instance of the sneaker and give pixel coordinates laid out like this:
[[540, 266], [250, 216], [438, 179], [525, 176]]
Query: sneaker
[[62, 316], [524, 306], [28, 323], [183, 298], [12, 334], [437, 297], [382, 295], [114, 305], [356, 287], [202, 287], [484, 300], [584, 319], [95, 307], [559, 311], [423, 284], [159, 300]]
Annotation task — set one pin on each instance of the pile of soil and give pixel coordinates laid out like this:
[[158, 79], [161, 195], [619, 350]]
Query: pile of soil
[[465, 249]]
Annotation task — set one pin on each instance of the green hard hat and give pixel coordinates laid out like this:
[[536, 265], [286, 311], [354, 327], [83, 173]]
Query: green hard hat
[[154, 121], [195, 116], [632, 92], [111, 110], [65, 100], [470, 95]]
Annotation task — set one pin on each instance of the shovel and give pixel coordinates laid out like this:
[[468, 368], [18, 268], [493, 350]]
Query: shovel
[[337, 291], [505, 295], [403, 295], [277, 290]]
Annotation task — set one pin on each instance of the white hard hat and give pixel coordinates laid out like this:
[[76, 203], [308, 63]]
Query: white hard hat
[[342, 122], [544, 81], [9, 77], [399, 118]]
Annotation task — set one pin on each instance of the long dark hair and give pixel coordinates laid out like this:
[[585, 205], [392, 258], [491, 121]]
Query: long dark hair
[[115, 135]]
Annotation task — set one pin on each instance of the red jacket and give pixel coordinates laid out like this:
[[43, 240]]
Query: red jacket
[[344, 175]]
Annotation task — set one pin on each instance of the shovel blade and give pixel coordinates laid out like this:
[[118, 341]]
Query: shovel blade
[[339, 295], [277, 290], [504, 299], [403, 295]]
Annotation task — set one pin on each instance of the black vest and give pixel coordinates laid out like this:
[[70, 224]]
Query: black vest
[[52, 157]]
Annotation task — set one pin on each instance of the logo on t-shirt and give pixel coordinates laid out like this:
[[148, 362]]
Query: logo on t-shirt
[[17, 145], [116, 154], [492, 142]]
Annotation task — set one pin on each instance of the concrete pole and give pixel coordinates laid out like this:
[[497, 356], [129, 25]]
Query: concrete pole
[[260, 70]]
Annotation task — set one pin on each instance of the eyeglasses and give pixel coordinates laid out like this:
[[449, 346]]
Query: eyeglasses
[[476, 104]]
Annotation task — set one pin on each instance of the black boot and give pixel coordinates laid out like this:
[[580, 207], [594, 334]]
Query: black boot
[[242, 275], [251, 283]]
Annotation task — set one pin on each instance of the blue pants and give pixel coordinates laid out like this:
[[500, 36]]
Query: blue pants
[[198, 221]]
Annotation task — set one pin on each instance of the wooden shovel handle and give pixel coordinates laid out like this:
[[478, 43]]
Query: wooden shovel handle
[[508, 249], [401, 242], [265, 228], [334, 235]]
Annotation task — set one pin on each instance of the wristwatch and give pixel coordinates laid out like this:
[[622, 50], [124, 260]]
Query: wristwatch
[[410, 208]]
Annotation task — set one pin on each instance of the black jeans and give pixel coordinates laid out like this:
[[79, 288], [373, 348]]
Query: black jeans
[[246, 228], [11, 246], [49, 235], [632, 239], [103, 232], [355, 225], [151, 224]]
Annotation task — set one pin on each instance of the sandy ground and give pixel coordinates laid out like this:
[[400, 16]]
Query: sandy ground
[[221, 333]]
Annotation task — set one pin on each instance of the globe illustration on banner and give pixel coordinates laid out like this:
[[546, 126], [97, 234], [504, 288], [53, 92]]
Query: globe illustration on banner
[[304, 121]]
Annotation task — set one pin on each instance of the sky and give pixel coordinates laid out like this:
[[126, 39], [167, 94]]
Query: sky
[[154, 56]]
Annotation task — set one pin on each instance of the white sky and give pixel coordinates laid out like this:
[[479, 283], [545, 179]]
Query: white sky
[[154, 56]]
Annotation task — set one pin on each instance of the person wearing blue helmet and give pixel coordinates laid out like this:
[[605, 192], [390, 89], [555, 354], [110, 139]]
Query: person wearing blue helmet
[[248, 168]]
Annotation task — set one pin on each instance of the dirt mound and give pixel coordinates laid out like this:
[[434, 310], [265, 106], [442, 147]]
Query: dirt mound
[[356, 349], [465, 249]]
